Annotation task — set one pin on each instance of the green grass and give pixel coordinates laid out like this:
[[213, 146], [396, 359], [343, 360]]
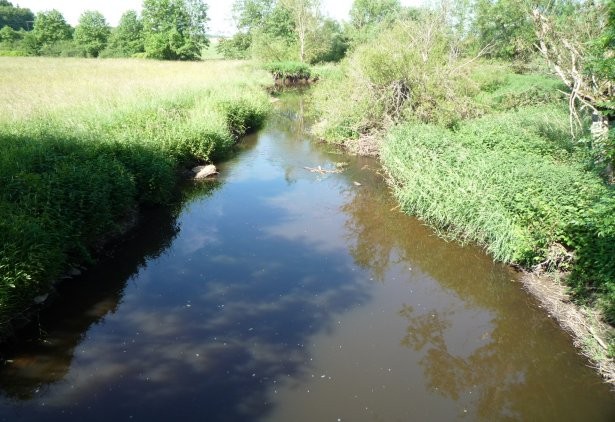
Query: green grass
[[289, 70], [480, 152], [84, 143], [507, 183]]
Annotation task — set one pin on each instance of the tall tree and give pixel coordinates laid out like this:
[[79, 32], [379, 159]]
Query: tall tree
[[506, 26], [269, 26], [306, 17], [127, 38], [92, 33], [15, 17], [174, 29], [50, 27], [364, 13]]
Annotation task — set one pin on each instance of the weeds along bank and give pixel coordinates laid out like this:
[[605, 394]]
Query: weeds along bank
[[84, 143], [482, 149]]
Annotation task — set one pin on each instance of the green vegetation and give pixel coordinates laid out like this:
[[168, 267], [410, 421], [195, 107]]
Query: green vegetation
[[174, 29], [168, 30], [92, 33], [14, 17], [284, 30], [482, 146], [289, 71], [81, 152], [127, 39]]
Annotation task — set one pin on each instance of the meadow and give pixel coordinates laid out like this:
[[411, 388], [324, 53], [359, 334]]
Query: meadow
[[85, 143]]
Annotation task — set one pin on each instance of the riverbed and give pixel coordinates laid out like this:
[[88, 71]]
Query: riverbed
[[280, 294]]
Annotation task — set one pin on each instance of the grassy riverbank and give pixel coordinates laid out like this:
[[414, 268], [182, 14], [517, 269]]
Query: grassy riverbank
[[481, 150], [85, 143]]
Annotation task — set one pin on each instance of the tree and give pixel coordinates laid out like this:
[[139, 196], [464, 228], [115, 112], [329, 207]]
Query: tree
[[15, 17], [369, 17], [174, 29], [270, 27], [236, 47], [127, 39], [8, 34], [580, 47], [92, 33], [49, 29], [283, 30], [306, 18], [331, 43], [368, 13]]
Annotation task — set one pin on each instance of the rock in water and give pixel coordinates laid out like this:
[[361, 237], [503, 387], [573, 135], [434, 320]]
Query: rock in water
[[201, 172]]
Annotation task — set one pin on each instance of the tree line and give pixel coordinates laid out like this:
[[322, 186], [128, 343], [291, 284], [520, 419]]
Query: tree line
[[166, 29]]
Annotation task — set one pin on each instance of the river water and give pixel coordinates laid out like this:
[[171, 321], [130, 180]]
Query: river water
[[278, 294]]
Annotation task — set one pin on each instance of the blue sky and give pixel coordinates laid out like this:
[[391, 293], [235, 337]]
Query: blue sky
[[219, 11]]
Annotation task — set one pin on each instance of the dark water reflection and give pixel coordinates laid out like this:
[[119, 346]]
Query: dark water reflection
[[281, 294]]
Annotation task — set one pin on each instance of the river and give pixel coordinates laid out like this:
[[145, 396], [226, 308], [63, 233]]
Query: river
[[279, 294]]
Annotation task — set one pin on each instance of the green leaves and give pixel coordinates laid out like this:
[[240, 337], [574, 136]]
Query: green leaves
[[92, 33], [174, 29]]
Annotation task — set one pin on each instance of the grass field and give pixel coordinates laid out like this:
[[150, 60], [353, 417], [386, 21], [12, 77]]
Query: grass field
[[86, 142]]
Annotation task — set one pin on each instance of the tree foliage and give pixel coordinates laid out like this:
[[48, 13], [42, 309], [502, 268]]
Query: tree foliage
[[174, 29], [50, 28], [127, 39], [236, 47], [369, 13], [15, 17], [579, 47], [92, 33], [287, 30], [8, 35]]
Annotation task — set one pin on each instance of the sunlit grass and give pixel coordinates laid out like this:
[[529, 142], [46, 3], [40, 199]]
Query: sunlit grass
[[31, 86], [84, 142]]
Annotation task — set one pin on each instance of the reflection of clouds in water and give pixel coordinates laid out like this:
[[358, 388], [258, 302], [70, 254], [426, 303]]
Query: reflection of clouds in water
[[195, 240], [255, 165], [224, 260], [317, 223], [230, 341]]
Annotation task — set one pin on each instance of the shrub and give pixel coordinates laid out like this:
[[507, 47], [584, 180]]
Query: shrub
[[407, 72]]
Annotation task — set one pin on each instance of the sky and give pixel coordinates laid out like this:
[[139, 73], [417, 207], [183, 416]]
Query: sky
[[221, 22]]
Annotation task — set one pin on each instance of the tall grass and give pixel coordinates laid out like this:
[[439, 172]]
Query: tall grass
[[513, 190], [86, 142]]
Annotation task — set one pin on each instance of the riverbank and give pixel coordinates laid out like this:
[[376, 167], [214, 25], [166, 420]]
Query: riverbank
[[590, 334], [86, 143], [483, 153]]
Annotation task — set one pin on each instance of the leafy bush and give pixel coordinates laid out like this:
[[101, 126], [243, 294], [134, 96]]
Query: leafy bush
[[236, 47], [407, 72]]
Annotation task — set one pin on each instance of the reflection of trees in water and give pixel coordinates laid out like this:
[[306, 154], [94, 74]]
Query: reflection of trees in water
[[43, 352], [488, 378], [374, 232], [290, 116], [516, 364]]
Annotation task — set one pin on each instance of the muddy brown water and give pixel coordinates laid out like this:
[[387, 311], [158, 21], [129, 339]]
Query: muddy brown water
[[277, 294]]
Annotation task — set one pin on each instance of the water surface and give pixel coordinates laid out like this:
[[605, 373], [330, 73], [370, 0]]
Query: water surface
[[277, 294]]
